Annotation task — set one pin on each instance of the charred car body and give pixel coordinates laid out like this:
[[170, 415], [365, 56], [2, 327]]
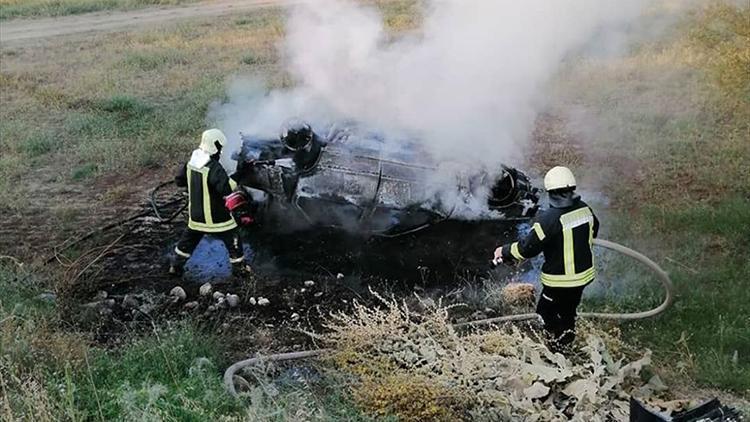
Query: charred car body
[[354, 180]]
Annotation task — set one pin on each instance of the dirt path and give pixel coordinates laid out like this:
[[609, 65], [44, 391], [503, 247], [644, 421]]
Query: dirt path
[[26, 31]]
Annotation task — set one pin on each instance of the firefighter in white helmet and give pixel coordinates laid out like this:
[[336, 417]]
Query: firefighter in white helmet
[[208, 184], [564, 233]]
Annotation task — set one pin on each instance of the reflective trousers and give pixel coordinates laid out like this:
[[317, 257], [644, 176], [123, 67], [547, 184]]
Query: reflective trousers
[[557, 307]]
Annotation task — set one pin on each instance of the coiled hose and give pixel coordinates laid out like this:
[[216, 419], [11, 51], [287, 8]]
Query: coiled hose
[[660, 273]]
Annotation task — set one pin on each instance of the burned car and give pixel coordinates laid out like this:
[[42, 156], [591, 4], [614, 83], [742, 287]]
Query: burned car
[[354, 179]]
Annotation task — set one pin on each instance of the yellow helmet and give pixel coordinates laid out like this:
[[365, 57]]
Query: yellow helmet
[[559, 178], [210, 139]]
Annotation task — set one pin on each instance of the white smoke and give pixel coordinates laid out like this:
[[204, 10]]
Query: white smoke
[[467, 84]]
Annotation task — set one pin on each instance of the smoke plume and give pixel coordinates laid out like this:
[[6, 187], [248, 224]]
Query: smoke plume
[[467, 84]]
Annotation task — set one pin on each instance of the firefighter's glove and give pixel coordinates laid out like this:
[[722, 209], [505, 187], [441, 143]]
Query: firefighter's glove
[[238, 204]]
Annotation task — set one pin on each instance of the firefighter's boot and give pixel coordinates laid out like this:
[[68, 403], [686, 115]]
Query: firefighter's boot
[[177, 264]]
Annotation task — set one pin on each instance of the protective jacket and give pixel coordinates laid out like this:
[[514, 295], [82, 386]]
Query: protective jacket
[[564, 233], [207, 184]]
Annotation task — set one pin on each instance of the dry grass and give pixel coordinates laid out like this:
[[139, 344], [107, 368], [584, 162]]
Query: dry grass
[[10, 9], [32, 348], [671, 118], [416, 366]]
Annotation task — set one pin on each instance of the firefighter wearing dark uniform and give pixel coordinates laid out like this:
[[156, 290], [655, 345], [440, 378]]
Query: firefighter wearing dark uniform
[[207, 184], [564, 234]]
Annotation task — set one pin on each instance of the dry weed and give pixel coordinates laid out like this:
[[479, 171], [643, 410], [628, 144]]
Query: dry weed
[[417, 367], [24, 399]]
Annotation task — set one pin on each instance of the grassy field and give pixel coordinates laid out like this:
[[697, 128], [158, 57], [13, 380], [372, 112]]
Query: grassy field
[[671, 123], [10, 9], [664, 131]]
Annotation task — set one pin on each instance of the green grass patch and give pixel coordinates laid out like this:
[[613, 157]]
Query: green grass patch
[[171, 374], [38, 145], [147, 60], [125, 132], [253, 59], [125, 107], [10, 9], [706, 330], [84, 171]]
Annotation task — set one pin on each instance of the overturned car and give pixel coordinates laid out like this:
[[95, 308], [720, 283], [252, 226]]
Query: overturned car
[[353, 179]]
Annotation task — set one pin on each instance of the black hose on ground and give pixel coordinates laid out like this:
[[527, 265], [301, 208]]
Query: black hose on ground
[[154, 208], [229, 374]]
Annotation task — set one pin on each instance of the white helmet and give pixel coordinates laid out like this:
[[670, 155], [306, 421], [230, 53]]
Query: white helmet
[[559, 178], [209, 140]]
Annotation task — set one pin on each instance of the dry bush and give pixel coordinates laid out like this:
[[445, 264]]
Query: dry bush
[[417, 367], [518, 294], [25, 399]]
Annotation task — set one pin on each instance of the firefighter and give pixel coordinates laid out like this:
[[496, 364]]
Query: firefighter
[[208, 187], [564, 233], [298, 137]]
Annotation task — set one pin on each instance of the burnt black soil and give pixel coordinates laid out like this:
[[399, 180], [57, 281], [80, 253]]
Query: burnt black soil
[[130, 263]]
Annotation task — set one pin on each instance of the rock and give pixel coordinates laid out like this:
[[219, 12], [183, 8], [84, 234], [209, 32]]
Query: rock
[[146, 308], [211, 308], [339, 276], [263, 301], [47, 297], [302, 290], [221, 302], [107, 303], [101, 295], [178, 293], [205, 289], [294, 317], [129, 301], [191, 305], [309, 283], [318, 294], [252, 301], [217, 295], [233, 300]]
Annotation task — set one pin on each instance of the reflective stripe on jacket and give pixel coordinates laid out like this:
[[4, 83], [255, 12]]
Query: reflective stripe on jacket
[[207, 187], [565, 236]]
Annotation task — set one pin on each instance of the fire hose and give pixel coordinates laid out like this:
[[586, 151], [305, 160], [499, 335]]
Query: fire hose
[[154, 207], [662, 275]]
